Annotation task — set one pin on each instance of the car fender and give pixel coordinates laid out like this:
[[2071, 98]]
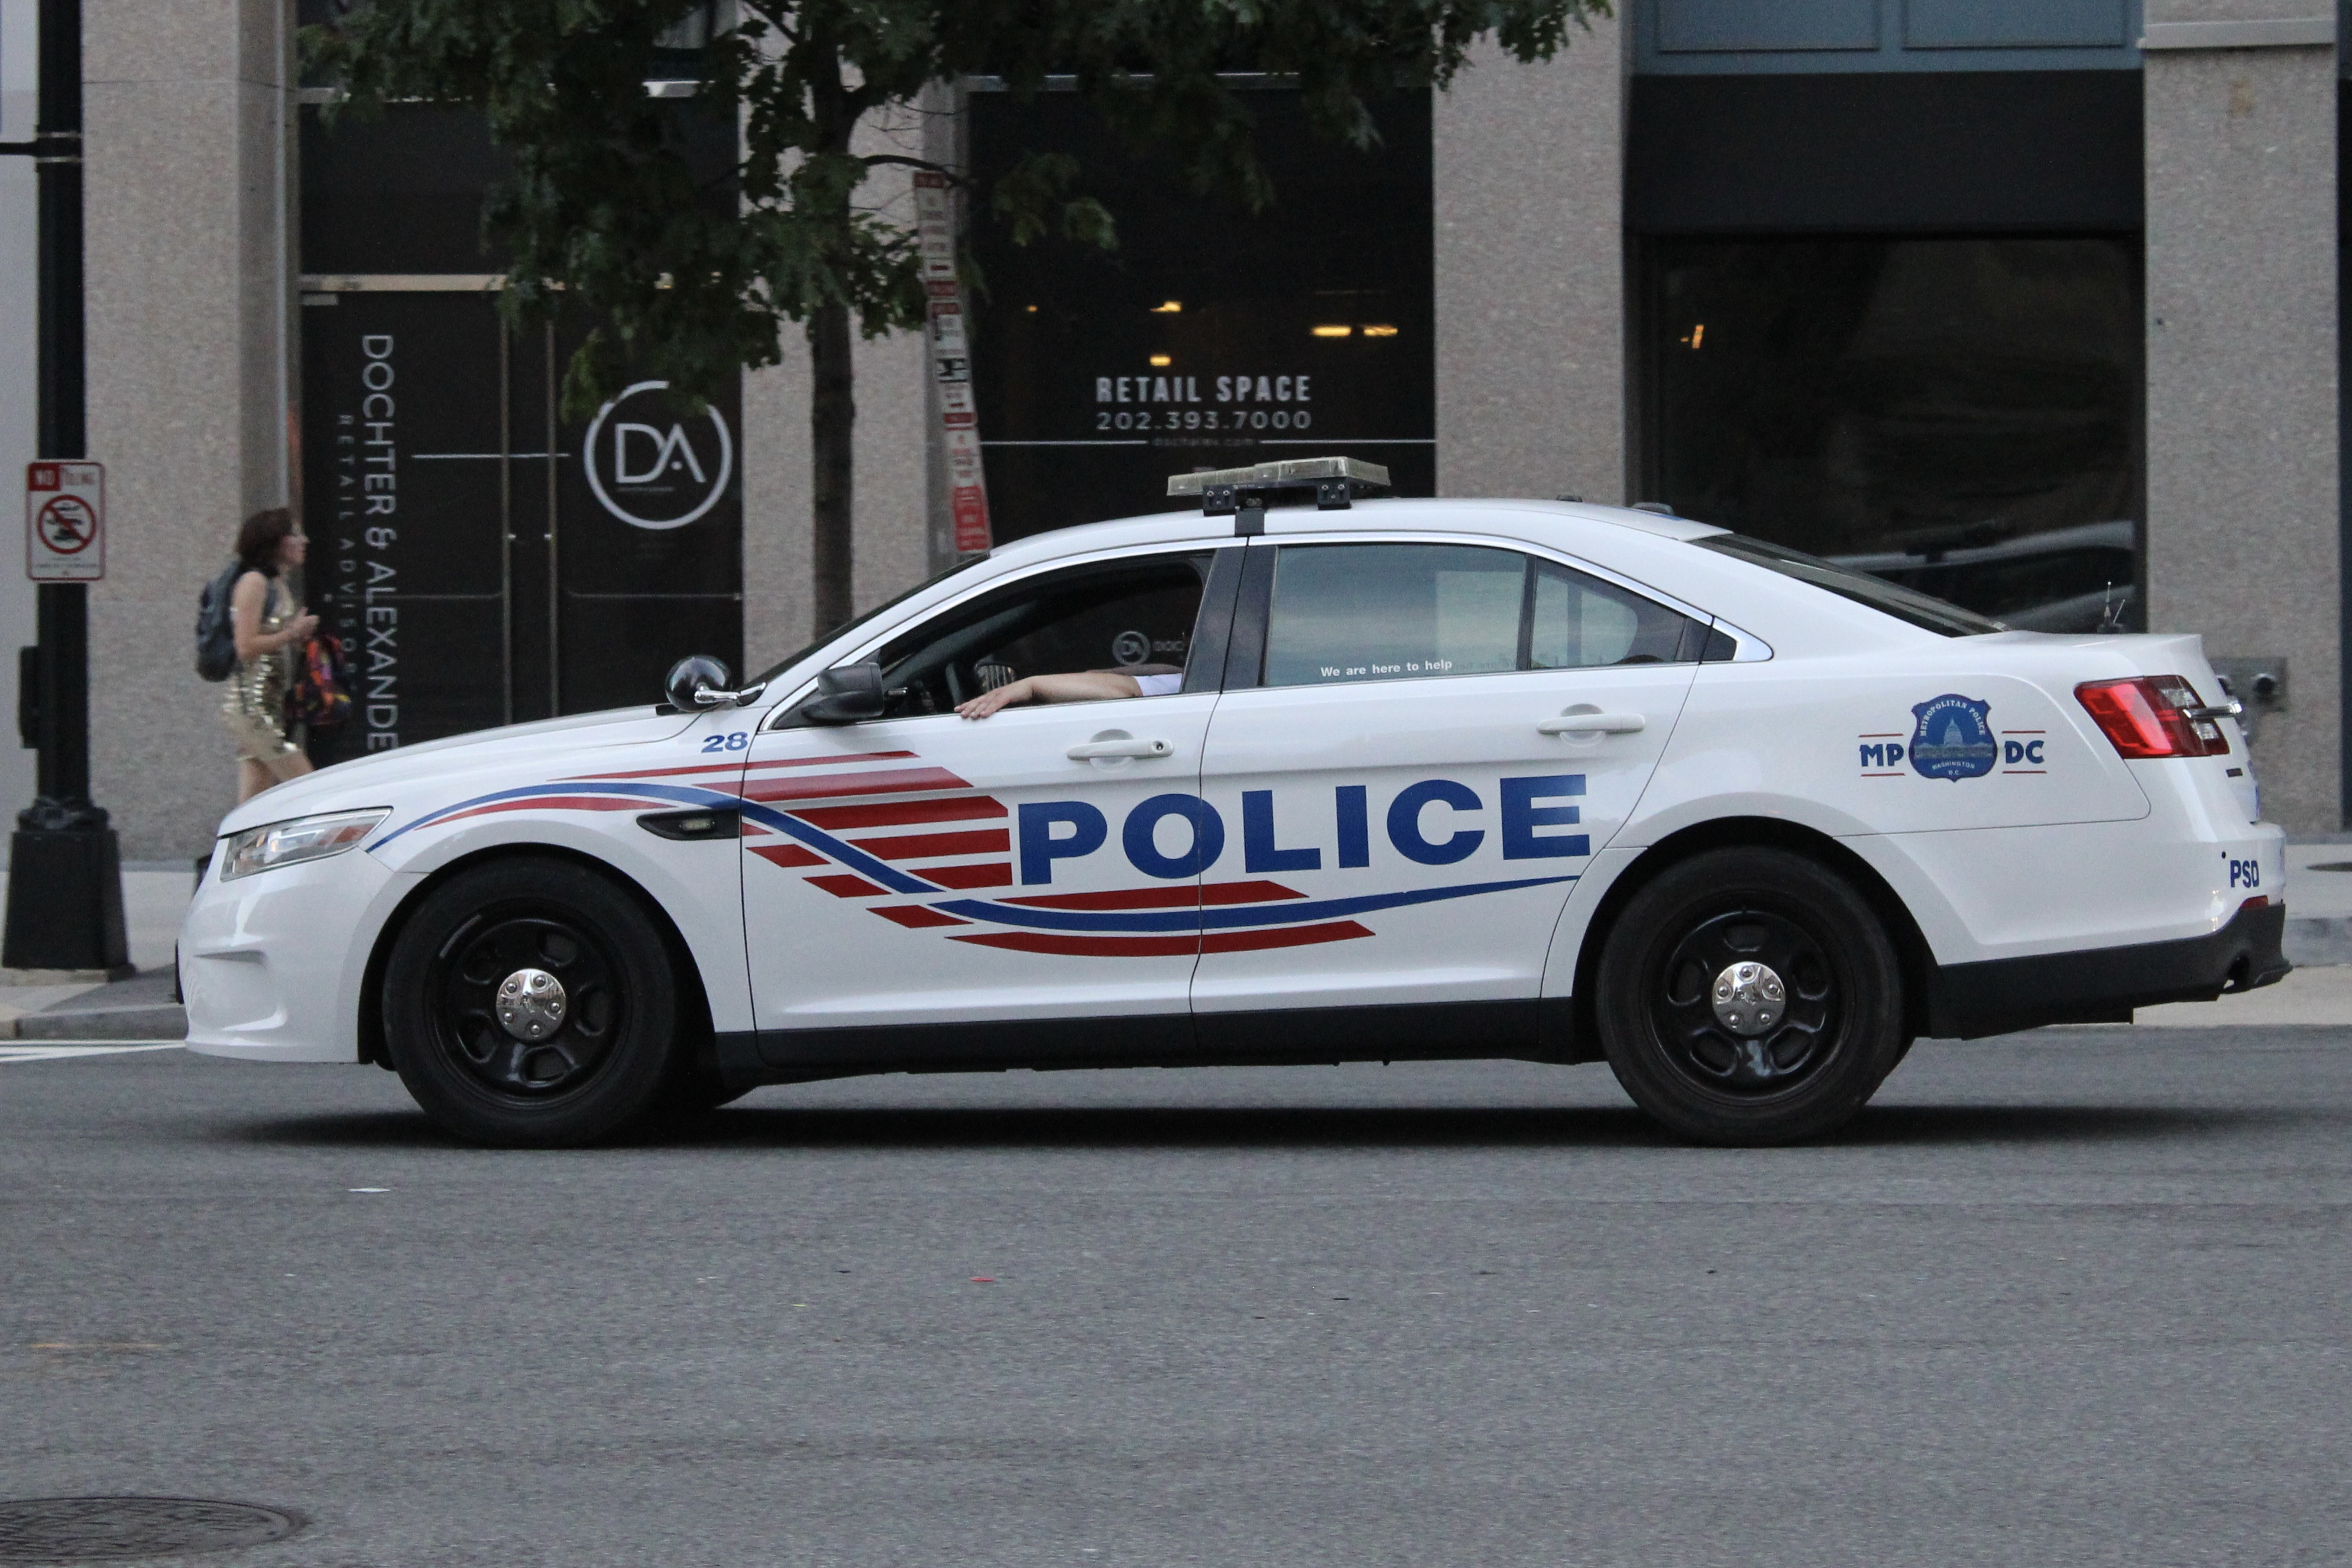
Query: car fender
[[1937, 921], [697, 885]]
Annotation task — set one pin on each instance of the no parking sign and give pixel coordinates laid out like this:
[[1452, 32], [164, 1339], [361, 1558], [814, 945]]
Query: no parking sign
[[65, 521]]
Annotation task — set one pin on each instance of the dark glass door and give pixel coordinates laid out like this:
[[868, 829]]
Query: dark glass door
[[484, 561]]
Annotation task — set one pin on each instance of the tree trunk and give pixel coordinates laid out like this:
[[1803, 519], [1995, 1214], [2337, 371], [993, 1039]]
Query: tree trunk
[[833, 421]]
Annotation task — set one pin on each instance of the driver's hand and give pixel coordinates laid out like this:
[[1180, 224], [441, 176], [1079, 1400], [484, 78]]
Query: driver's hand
[[988, 703]]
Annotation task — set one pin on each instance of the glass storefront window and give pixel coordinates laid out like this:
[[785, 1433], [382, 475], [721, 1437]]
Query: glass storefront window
[[1213, 337], [1959, 416]]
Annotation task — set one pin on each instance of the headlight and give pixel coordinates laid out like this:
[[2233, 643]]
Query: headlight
[[304, 838]]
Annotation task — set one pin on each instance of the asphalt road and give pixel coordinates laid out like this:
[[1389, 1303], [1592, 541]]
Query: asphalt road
[[2072, 1298]]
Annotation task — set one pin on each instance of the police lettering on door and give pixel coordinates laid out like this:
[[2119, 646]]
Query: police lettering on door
[[1436, 821]]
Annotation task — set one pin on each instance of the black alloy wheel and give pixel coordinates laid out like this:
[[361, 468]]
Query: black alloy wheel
[[1747, 1002], [528, 1003], [1749, 997], [532, 1002]]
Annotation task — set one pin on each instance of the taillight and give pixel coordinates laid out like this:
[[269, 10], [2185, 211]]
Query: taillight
[[2155, 716]]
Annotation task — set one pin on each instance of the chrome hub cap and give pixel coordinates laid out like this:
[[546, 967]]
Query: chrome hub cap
[[1748, 999], [530, 1004]]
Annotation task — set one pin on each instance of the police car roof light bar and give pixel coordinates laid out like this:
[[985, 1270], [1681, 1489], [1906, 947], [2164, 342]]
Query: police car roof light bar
[[1244, 494]]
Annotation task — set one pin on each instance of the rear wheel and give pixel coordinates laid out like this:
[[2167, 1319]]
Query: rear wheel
[[531, 1002], [1749, 997]]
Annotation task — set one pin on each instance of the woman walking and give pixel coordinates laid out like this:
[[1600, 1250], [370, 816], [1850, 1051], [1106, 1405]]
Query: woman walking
[[271, 629]]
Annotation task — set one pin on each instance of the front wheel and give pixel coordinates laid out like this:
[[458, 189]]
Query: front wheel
[[1749, 997], [531, 1003]]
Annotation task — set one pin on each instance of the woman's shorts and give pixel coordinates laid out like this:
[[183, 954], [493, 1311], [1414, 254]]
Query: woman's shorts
[[259, 740]]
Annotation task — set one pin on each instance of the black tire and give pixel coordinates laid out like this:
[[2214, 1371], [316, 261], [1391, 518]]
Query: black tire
[[600, 1065], [1757, 1080]]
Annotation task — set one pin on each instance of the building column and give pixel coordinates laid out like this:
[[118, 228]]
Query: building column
[[890, 465], [2243, 507], [192, 388], [1528, 182], [890, 506]]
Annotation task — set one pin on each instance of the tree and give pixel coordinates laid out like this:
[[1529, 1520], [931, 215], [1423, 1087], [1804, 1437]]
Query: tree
[[604, 218]]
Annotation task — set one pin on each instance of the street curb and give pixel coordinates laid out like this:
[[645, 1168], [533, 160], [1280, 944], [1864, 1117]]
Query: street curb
[[168, 1022], [2318, 942], [13, 978]]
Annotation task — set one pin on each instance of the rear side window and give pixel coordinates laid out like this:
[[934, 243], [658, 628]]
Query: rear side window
[[1577, 622], [1905, 604], [1408, 612]]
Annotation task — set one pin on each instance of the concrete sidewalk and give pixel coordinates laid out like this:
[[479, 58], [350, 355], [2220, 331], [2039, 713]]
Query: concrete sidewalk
[[139, 1008], [154, 898], [2320, 994], [2319, 903]]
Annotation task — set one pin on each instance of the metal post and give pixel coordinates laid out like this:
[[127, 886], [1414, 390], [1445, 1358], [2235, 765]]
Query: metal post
[[65, 879]]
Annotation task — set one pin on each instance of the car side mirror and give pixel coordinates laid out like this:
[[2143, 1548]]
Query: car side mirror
[[700, 681], [847, 694]]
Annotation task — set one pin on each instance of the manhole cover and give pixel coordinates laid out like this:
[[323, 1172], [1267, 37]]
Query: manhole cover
[[110, 1529]]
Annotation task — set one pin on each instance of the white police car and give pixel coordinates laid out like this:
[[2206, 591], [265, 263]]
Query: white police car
[[1440, 778]]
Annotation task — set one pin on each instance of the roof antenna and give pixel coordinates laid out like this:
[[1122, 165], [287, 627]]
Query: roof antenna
[[2111, 616]]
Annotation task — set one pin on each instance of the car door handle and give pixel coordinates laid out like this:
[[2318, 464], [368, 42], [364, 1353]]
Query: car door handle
[[1088, 751], [1592, 724]]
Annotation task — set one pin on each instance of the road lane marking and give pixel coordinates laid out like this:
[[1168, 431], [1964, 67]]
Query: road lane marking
[[64, 1050]]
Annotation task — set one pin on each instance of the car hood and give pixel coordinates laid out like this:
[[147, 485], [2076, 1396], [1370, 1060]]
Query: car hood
[[384, 778]]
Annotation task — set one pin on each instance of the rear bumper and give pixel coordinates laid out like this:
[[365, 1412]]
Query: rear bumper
[[2102, 985]]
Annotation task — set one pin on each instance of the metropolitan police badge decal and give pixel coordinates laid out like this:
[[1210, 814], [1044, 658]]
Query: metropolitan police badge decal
[[1953, 738]]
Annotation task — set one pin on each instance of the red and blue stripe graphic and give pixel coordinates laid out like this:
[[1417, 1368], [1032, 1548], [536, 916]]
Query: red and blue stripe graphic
[[915, 838]]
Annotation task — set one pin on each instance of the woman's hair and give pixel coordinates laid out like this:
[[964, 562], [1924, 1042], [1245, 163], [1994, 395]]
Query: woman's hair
[[258, 541]]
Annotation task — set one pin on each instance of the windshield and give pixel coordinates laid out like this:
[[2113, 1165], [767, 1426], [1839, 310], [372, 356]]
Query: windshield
[[1904, 604], [884, 609]]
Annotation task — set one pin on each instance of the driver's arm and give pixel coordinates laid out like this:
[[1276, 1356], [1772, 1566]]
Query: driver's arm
[[1083, 686]]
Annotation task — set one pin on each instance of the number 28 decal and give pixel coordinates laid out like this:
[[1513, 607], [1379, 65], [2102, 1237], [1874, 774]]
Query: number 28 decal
[[732, 743]]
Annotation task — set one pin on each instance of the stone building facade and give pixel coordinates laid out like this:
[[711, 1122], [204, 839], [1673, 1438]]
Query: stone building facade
[[1810, 268]]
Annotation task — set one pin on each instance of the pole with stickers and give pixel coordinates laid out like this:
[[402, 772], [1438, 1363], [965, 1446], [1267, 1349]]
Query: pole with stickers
[[65, 879], [951, 364]]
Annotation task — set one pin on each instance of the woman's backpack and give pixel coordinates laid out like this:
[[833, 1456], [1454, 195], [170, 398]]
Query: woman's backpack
[[216, 626], [321, 692]]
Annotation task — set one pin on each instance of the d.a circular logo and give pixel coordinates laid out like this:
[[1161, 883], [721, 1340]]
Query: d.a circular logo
[[652, 464]]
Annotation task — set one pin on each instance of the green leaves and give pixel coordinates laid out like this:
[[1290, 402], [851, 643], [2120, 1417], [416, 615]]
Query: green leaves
[[1038, 191], [689, 231]]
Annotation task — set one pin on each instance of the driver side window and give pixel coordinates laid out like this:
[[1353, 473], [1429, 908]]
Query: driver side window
[[1136, 615]]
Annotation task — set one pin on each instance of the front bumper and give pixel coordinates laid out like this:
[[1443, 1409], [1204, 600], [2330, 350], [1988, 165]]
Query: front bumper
[[272, 964], [2102, 985]]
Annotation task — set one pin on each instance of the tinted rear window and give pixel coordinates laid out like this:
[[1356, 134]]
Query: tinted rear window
[[1905, 604]]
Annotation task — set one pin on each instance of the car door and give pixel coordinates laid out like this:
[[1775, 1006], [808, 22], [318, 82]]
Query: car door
[[923, 886], [1421, 746]]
